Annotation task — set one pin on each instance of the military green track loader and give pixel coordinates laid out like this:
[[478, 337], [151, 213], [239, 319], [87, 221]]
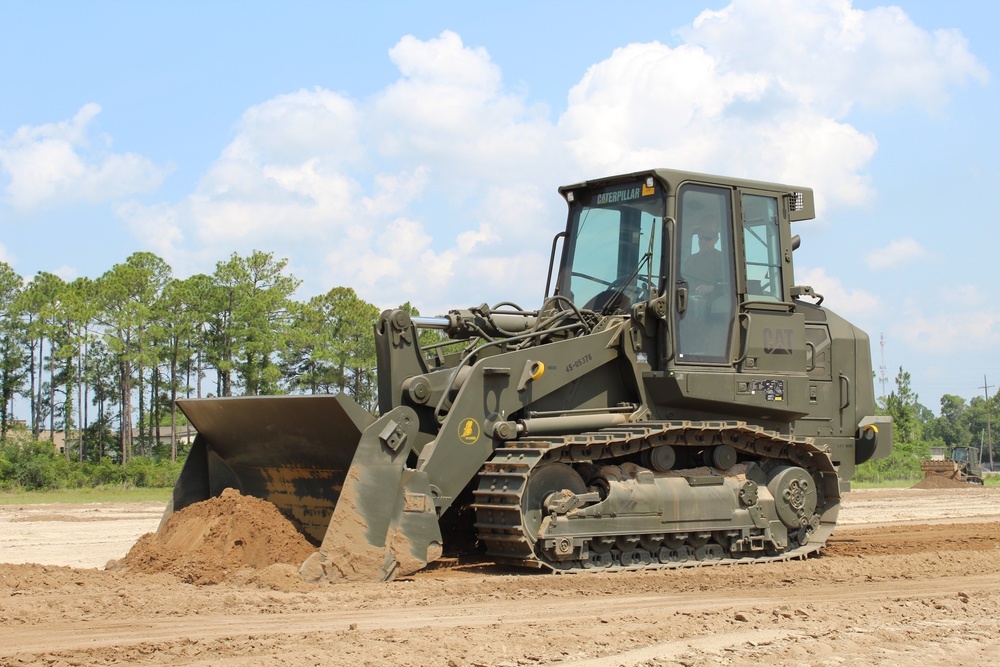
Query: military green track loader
[[676, 400]]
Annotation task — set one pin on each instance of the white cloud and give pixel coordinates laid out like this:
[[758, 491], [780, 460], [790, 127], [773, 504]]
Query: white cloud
[[6, 256], [854, 304], [293, 128], [157, 225], [56, 164], [403, 261], [898, 252], [317, 172], [833, 56], [286, 173], [440, 187], [962, 330], [966, 296], [392, 193], [67, 273], [651, 105], [763, 89], [450, 107]]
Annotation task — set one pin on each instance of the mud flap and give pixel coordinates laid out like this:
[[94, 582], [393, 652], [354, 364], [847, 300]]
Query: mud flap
[[293, 451], [385, 523]]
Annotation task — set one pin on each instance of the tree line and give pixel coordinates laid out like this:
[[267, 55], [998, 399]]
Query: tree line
[[959, 423], [103, 360]]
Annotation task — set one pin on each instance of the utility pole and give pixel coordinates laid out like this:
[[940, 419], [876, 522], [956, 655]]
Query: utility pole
[[883, 376], [989, 435]]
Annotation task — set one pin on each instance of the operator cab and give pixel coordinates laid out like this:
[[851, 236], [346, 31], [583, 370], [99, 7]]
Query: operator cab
[[713, 248]]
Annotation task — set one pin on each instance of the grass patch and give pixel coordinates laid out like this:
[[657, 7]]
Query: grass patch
[[885, 484], [100, 494], [991, 479]]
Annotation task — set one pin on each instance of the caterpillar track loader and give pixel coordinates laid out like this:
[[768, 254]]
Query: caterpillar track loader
[[676, 400]]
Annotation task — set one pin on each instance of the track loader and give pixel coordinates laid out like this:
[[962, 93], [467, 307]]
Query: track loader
[[676, 400], [961, 464]]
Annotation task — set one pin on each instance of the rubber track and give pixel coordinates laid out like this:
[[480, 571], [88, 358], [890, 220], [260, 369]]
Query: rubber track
[[503, 481]]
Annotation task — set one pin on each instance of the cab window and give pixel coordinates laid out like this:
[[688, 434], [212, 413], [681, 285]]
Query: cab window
[[762, 248]]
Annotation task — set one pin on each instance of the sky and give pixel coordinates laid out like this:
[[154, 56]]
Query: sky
[[413, 151]]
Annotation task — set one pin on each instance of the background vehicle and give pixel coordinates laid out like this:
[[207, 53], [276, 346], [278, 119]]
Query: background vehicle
[[650, 414], [962, 464]]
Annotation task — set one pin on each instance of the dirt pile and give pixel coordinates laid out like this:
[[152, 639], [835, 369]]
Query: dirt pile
[[211, 541], [940, 482]]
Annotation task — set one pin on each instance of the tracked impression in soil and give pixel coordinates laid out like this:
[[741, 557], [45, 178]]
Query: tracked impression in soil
[[218, 540]]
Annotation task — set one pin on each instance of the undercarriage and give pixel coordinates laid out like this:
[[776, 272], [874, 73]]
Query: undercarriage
[[656, 495]]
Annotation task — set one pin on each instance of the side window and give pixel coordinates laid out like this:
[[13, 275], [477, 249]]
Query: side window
[[762, 245]]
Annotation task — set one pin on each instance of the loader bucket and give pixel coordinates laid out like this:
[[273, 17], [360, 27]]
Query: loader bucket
[[293, 451]]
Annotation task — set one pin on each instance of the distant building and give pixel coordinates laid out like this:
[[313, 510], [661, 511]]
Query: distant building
[[185, 436]]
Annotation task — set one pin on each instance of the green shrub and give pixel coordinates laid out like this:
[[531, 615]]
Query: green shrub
[[32, 466], [35, 466], [106, 473], [145, 472], [898, 466]]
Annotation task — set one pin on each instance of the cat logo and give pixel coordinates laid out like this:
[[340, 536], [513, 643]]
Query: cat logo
[[468, 431], [777, 341]]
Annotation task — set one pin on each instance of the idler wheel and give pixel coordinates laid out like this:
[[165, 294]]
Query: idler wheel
[[794, 494], [543, 482]]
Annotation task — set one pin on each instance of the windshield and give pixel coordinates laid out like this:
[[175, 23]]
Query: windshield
[[614, 247]]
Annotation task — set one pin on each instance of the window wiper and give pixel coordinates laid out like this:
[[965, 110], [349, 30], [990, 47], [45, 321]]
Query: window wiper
[[622, 284], [647, 260]]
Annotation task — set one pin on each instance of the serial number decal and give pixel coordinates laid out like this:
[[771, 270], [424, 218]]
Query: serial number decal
[[773, 390], [585, 359]]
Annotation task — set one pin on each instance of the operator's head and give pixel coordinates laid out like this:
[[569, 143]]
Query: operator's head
[[707, 231]]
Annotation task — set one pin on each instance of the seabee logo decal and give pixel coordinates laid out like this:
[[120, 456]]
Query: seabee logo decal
[[469, 431]]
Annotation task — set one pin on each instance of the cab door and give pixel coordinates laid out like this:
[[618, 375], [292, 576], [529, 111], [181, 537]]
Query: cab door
[[706, 286]]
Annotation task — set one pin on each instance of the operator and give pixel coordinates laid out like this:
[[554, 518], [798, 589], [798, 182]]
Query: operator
[[703, 269]]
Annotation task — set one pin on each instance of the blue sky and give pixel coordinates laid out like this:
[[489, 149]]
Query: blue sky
[[413, 150]]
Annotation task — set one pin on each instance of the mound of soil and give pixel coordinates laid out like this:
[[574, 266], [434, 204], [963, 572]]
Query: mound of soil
[[210, 541], [940, 482]]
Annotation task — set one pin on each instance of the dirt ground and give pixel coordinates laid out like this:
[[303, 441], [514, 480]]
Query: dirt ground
[[910, 576]]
